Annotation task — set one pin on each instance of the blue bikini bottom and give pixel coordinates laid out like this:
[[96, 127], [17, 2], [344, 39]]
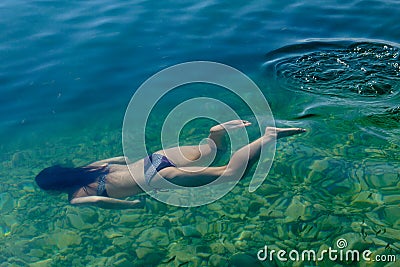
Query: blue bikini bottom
[[101, 186], [153, 164]]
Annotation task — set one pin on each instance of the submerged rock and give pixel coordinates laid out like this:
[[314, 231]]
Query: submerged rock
[[122, 263], [42, 263], [184, 257], [367, 199], [391, 213], [65, 239], [243, 259], [38, 253], [217, 248], [214, 206], [123, 242], [299, 209], [7, 202], [129, 219], [155, 235], [254, 207], [142, 252], [203, 249], [119, 259], [111, 233], [320, 165], [217, 261], [76, 221], [387, 179], [190, 231], [20, 158], [202, 227], [245, 235]]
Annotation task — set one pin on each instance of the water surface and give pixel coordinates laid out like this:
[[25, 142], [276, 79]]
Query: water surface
[[67, 74]]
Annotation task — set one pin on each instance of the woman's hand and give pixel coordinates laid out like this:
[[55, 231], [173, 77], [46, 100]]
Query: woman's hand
[[108, 202]]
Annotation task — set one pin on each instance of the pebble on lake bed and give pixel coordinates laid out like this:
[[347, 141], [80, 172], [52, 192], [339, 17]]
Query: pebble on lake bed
[[157, 236], [64, 239], [190, 231], [217, 261], [243, 259]]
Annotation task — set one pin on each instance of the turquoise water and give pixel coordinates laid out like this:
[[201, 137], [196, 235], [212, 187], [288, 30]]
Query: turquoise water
[[69, 70]]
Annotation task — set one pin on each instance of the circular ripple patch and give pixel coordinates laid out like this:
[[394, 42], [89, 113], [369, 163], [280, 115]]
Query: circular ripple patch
[[364, 68]]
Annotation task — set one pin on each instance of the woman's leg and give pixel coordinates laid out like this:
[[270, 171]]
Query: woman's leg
[[184, 156], [197, 176]]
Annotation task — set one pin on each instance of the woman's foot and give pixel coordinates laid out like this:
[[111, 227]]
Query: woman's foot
[[283, 132]]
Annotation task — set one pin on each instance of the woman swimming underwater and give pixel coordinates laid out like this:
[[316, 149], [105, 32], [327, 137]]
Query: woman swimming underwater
[[104, 183]]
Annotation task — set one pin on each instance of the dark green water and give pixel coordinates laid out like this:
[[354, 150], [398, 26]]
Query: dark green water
[[69, 70]]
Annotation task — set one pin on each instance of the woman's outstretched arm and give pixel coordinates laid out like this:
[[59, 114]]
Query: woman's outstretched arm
[[107, 202]]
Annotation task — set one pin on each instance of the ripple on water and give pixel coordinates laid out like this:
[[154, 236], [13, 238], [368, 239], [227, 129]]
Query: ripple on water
[[342, 69], [389, 118]]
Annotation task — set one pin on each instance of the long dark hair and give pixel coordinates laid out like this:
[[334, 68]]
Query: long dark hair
[[64, 179]]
